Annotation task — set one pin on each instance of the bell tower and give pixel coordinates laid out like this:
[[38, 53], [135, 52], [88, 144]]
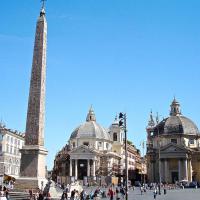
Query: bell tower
[[116, 135]]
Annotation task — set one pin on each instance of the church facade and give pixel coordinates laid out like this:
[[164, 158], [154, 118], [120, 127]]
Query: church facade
[[94, 153], [173, 148]]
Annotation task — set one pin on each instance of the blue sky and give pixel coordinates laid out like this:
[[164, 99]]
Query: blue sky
[[118, 55]]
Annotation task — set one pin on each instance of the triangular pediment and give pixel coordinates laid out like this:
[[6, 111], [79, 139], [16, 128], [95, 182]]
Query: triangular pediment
[[173, 148], [83, 150]]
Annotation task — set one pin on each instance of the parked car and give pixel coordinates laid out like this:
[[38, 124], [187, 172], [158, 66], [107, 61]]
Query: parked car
[[193, 184], [137, 184]]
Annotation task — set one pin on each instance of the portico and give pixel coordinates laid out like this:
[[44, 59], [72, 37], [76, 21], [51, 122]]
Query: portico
[[175, 164], [83, 162]]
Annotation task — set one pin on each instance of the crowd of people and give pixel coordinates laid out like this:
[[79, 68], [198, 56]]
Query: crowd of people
[[98, 193], [112, 192], [39, 195], [156, 188]]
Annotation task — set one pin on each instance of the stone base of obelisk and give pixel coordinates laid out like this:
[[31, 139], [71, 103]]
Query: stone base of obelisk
[[29, 183], [32, 168]]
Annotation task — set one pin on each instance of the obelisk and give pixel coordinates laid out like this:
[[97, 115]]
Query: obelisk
[[33, 153]]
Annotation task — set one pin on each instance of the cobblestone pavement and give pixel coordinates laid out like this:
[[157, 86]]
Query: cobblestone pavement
[[191, 194], [179, 194]]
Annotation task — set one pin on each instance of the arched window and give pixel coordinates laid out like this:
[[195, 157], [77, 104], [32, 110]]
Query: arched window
[[114, 136]]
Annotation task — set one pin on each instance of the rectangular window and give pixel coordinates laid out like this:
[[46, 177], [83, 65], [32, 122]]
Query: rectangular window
[[191, 141], [174, 141]]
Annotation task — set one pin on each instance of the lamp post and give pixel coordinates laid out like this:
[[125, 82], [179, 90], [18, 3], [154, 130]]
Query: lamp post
[[143, 161], [122, 123], [157, 121]]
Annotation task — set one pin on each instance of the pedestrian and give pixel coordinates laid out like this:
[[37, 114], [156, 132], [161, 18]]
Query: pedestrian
[[122, 191], [141, 190], [117, 194], [64, 196], [165, 191], [41, 197], [47, 196], [154, 194], [72, 194], [7, 194], [111, 193], [76, 196], [103, 194]]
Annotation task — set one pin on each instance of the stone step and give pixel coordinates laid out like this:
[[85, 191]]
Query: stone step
[[19, 196]]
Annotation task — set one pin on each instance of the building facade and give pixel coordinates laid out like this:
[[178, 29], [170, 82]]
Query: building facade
[[10, 157], [173, 148], [94, 153]]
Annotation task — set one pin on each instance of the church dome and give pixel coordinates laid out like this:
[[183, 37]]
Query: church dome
[[180, 124], [176, 123], [90, 129]]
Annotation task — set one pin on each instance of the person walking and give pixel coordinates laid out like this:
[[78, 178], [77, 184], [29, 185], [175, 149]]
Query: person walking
[[111, 194], [117, 193], [41, 197], [72, 194], [122, 191], [154, 194], [7, 194], [64, 196], [141, 190]]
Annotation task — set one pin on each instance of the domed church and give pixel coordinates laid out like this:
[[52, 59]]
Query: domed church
[[91, 152], [173, 148]]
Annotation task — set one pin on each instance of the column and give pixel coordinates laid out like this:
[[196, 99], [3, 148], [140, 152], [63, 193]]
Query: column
[[76, 174], [70, 168], [166, 171], [190, 170], [94, 168], [185, 168], [154, 172], [88, 167], [179, 170], [161, 170]]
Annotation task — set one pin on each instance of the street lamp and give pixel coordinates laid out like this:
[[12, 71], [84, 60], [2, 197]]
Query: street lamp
[[157, 121], [143, 160], [122, 123]]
